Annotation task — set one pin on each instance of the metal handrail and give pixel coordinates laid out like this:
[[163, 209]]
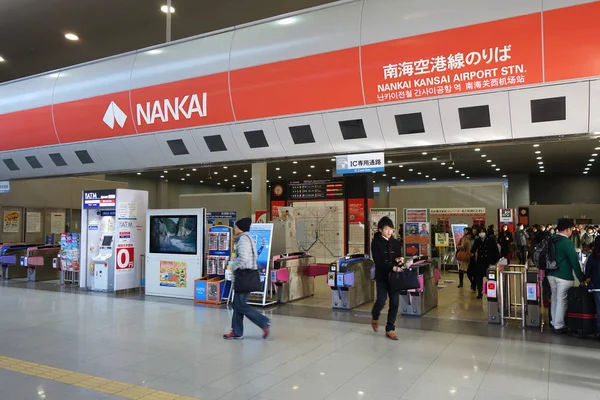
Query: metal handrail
[[504, 318]]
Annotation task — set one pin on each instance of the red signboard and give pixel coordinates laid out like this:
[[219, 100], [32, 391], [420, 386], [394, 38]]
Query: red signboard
[[486, 56], [125, 256]]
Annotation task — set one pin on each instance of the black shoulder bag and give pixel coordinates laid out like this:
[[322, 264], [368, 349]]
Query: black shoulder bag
[[407, 279]]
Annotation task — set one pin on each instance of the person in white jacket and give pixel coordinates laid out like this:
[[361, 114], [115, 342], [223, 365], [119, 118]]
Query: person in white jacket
[[245, 258]]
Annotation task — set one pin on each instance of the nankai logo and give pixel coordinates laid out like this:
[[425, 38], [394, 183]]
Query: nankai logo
[[114, 114], [187, 107]]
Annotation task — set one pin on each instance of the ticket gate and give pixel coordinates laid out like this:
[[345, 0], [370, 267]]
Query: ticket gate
[[350, 281], [533, 298], [39, 263], [10, 259], [420, 301], [492, 292], [291, 278]]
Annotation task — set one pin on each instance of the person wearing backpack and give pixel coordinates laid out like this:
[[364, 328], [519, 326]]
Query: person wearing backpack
[[486, 253], [560, 276], [521, 238]]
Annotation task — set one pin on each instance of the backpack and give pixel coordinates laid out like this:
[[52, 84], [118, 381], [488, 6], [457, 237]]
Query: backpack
[[544, 256]]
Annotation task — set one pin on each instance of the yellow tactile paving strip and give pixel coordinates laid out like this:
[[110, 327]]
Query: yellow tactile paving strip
[[91, 382]]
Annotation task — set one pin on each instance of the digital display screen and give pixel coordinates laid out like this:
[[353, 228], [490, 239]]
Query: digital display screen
[[316, 189], [107, 240], [174, 234]]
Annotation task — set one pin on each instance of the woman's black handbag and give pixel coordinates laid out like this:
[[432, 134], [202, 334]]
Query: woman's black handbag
[[407, 279], [246, 281]]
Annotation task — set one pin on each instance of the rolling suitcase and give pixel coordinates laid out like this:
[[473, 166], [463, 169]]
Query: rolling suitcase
[[581, 312]]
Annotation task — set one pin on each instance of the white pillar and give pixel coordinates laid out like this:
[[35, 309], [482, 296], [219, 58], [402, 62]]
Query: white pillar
[[259, 187]]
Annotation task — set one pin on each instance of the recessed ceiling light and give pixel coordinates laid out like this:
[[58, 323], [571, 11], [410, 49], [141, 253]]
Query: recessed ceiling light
[[374, 172], [232, 185], [225, 167], [483, 156], [424, 153], [538, 158], [183, 179], [443, 163], [488, 160], [497, 169], [393, 177], [410, 170], [246, 170], [540, 162], [538, 152], [541, 170], [400, 166], [294, 172], [536, 145], [433, 179], [493, 165], [162, 176], [594, 155], [456, 171], [187, 174], [401, 180], [166, 172], [585, 172], [468, 177], [426, 176], [312, 166], [327, 170], [194, 169], [450, 167], [504, 176], [589, 165], [2, 59], [219, 183], [478, 149], [333, 159], [166, 9], [278, 177], [181, 169], [389, 161], [201, 181], [294, 162], [384, 174], [418, 173], [434, 158], [277, 169], [462, 174], [139, 173], [227, 180], [235, 176], [267, 181], [216, 173], [309, 175], [71, 36], [597, 148]]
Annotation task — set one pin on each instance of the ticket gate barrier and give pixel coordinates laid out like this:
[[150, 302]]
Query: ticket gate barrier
[[290, 276], [350, 281], [512, 289], [493, 302], [419, 302], [39, 263], [534, 298], [10, 259]]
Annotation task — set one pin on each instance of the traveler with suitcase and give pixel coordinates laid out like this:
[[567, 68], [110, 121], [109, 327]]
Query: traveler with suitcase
[[592, 271], [561, 278]]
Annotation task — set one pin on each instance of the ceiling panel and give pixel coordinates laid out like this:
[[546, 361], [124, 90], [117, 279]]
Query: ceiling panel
[[242, 131], [232, 151], [499, 115], [112, 152], [143, 150], [321, 144], [429, 115], [179, 140], [595, 106], [577, 110], [372, 141]]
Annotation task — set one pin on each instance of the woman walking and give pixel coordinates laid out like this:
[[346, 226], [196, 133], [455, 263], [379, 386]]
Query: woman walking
[[505, 240], [245, 259], [486, 254], [463, 255]]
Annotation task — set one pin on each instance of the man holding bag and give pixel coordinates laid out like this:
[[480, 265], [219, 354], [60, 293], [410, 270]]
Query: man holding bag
[[386, 251], [246, 279]]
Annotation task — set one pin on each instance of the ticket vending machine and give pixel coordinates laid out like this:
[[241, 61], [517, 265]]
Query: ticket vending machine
[[113, 239]]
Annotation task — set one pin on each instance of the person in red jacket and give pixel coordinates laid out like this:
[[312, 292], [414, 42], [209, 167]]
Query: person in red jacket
[[386, 253]]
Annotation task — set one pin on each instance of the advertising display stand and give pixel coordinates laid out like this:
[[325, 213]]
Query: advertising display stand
[[262, 235], [213, 288], [113, 234], [174, 252]]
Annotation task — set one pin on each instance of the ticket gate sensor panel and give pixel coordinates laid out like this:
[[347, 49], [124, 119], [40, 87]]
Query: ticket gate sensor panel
[[494, 303]]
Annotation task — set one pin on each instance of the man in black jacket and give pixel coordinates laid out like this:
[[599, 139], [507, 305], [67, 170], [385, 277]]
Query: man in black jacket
[[386, 251]]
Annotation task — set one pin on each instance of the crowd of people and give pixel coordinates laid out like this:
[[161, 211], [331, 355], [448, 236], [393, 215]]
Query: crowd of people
[[480, 247]]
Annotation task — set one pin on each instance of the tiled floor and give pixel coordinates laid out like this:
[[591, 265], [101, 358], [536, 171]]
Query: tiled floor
[[177, 349]]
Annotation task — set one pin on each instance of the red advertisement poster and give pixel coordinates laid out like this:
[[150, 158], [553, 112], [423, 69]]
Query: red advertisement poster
[[275, 208]]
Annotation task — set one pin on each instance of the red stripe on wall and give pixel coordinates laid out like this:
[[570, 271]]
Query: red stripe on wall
[[572, 42], [27, 128], [313, 83]]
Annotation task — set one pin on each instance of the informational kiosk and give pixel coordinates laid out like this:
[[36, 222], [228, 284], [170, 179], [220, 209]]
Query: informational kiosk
[[175, 251], [113, 232]]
